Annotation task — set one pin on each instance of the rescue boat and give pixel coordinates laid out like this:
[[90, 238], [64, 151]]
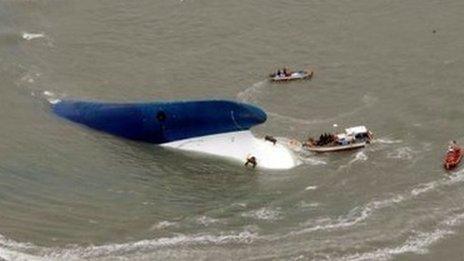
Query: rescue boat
[[452, 158], [353, 138], [299, 75]]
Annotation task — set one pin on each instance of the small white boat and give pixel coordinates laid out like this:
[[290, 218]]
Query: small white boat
[[299, 75], [352, 138]]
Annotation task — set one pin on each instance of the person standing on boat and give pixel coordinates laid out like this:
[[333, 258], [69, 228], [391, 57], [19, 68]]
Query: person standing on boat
[[251, 160], [453, 146], [286, 72]]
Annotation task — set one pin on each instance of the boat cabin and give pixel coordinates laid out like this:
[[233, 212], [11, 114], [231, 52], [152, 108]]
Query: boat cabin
[[359, 133]]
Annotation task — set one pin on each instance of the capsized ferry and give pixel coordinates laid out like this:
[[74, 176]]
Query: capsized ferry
[[216, 127]]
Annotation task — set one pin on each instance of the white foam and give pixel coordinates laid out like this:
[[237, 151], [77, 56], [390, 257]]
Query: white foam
[[11, 250], [206, 221], [51, 97], [163, 225], [354, 217], [387, 141], [54, 101], [49, 93], [304, 204], [239, 204], [264, 214], [29, 77], [31, 36], [362, 213], [446, 181], [422, 188], [418, 243], [6, 254], [313, 161], [292, 144], [454, 220], [360, 156], [405, 153], [311, 188]]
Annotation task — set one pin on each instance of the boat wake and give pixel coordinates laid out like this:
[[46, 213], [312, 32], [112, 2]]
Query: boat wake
[[250, 94]]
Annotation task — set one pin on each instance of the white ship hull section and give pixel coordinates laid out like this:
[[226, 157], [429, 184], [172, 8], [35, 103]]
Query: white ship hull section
[[239, 146]]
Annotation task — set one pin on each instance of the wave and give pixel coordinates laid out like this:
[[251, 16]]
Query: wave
[[12, 250], [264, 214], [362, 213], [418, 243], [6, 254], [206, 221], [354, 217], [163, 225], [446, 181]]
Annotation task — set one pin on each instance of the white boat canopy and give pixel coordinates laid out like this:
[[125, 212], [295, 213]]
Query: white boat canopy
[[356, 130]]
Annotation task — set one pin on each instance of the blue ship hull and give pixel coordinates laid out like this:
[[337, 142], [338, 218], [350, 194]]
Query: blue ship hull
[[162, 122]]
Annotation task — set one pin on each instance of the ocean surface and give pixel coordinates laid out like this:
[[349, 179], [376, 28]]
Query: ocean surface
[[71, 193]]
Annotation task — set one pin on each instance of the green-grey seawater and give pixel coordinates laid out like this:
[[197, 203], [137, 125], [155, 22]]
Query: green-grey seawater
[[71, 193]]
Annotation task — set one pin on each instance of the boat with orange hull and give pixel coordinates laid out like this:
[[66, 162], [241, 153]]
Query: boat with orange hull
[[453, 158]]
